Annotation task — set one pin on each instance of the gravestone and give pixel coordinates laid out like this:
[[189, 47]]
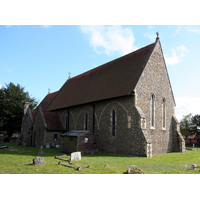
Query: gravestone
[[40, 151], [2, 146], [75, 156], [38, 161]]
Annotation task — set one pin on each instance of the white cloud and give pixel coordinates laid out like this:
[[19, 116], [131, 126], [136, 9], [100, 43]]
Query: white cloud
[[177, 31], [152, 37], [177, 55], [186, 105], [46, 26], [150, 27], [1, 86], [193, 30], [9, 26], [110, 39], [9, 70]]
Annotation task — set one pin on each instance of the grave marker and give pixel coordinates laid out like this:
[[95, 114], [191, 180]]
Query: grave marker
[[40, 151], [75, 156], [38, 161]]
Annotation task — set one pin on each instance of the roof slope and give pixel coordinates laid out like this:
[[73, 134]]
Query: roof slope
[[113, 79], [45, 102], [53, 121], [75, 133]]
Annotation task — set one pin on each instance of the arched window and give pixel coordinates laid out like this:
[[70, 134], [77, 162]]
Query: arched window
[[163, 112], [86, 122], [152, 110], [113, 122], [67, 123]]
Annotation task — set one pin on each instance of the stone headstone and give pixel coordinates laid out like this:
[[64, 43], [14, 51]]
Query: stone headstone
[[193, 145], [38, 161], [47, 145], [40, 153], [75, 156], [106, 166]]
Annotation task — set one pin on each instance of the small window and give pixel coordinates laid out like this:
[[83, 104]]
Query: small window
[[86, 140], [55, 137], [71, 138]]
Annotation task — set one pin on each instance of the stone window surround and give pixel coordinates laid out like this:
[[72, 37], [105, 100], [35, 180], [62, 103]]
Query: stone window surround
[[164, 114]]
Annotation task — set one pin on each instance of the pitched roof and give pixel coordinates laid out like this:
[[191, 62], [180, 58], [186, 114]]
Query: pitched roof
[[53, 121], [45, 102], [113, 79]]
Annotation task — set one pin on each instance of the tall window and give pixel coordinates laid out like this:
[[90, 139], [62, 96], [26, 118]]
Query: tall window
[[152, 110], [66, 122], [113, 122], [86, 122], [163, 108]]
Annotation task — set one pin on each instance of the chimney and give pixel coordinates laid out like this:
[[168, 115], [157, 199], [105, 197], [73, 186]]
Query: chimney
[[26, 105]]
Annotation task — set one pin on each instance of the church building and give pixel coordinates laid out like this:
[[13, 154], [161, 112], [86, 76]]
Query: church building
[[128, 103]]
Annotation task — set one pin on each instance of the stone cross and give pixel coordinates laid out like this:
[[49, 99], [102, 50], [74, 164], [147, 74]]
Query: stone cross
[[69, 75], [157, 34], [40, 151]]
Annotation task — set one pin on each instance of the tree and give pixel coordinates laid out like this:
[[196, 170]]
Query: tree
[[196, 126], [186, 126], [12, 98]]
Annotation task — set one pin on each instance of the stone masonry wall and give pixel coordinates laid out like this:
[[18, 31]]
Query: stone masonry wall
[[25, 131], [38, 131], [126, 140], [154, 80], [50, 137]]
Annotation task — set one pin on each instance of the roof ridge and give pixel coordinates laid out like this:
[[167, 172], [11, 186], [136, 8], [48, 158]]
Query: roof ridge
[[122, 72]]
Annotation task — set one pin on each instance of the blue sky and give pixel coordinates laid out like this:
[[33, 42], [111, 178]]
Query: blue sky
[[40, 57]]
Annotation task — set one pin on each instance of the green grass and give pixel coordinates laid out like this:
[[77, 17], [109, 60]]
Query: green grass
[[12, 162]]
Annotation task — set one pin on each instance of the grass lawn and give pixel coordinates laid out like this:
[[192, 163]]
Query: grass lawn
[[17, 162]]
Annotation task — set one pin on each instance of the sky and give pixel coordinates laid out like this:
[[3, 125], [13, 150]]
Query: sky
[[40, 57]]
